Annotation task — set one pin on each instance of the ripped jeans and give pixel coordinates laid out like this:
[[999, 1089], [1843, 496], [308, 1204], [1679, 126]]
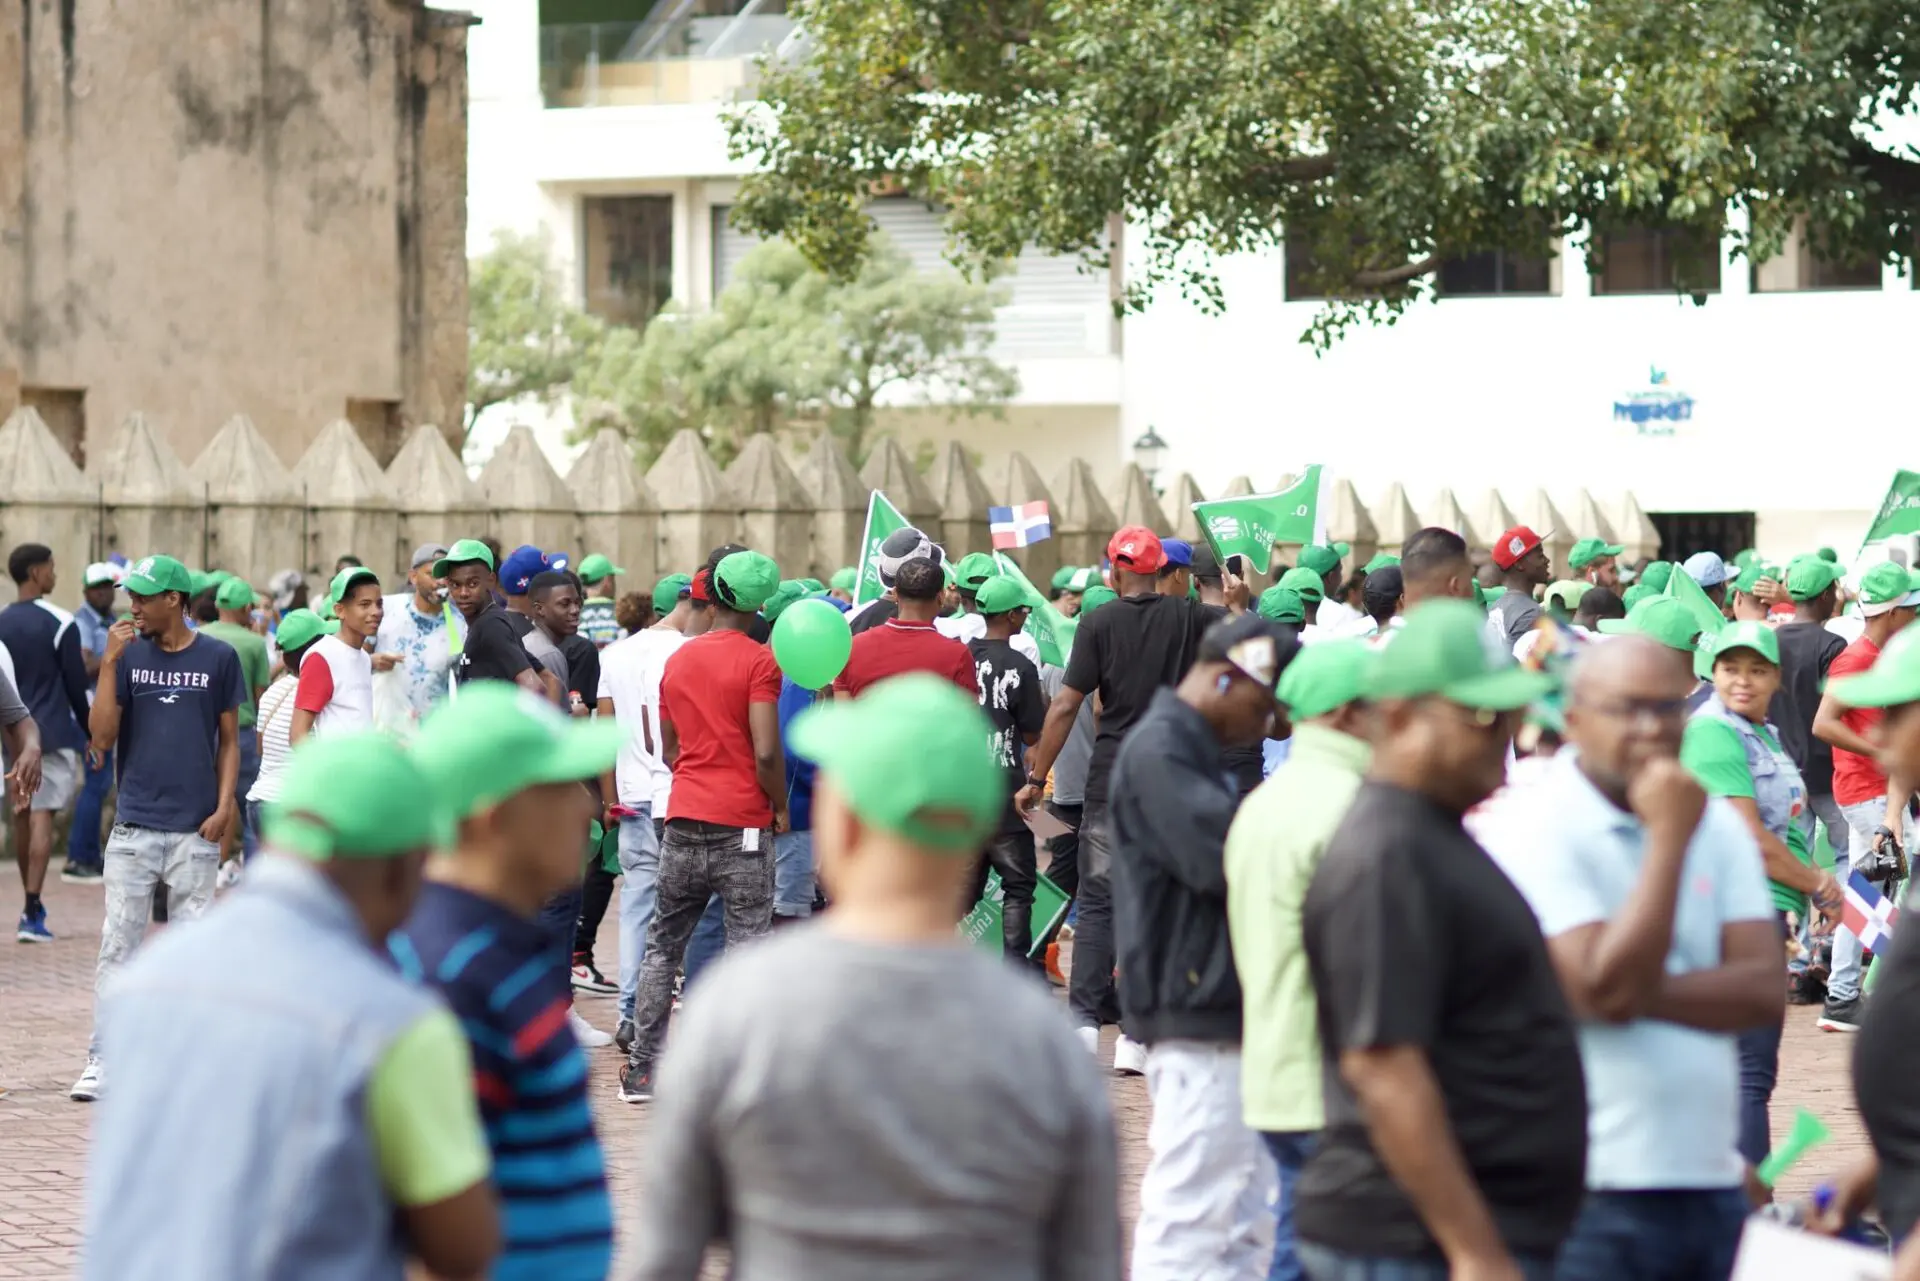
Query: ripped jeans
[[137, 861]]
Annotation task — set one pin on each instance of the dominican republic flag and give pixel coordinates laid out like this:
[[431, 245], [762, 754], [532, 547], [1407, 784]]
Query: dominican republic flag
[[1868, 913], [1019, 526]]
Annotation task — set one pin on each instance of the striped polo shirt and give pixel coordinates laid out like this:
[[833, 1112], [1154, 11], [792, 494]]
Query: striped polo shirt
[[499, 972]]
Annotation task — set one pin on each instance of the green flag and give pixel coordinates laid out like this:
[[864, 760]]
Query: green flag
[[1900, 511], [1682, 588], [982, 925], [1051, 630], [882, 519], [1250, 526]]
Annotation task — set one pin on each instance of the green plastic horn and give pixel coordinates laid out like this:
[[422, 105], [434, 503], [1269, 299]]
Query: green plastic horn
[[1809, 1131]]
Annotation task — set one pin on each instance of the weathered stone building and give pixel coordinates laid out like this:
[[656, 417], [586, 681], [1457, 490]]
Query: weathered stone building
[[221, 206]]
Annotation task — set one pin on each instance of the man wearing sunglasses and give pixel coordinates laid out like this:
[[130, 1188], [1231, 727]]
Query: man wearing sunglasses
[[1456, 1117]]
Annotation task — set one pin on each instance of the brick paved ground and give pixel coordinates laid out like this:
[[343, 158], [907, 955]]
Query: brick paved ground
[[46, 1002]]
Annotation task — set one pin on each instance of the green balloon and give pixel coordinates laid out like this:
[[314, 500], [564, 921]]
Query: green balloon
[[811, 642]]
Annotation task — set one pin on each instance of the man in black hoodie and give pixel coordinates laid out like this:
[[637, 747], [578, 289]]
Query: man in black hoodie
[[1204, 1199]]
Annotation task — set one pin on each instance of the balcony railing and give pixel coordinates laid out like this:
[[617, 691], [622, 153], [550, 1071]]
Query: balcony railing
[[675, 54]]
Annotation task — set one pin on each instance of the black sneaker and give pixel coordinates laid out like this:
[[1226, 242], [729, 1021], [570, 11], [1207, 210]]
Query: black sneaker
[[636, 1084], [1841, 1016], [82, 873], [623, 1035], [1805, 988]]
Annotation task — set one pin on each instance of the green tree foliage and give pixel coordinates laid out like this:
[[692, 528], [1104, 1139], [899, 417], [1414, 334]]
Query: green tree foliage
[[524, 338], [785, 344], [1385, 135]]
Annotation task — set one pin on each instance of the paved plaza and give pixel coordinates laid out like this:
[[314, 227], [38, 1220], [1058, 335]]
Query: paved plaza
[[46, 1001]]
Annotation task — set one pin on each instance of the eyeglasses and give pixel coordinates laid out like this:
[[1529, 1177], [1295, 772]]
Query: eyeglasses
[[1661, 710]]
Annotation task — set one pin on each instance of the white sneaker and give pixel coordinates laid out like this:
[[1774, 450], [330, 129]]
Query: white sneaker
[[228, 876], [587, 1034], [88, 1087], [1089, 1037], [1129, 1056]]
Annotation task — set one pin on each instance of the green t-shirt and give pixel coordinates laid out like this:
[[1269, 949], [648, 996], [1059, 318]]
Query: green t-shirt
[[1714, 752], [423, 1116], [252, 649]]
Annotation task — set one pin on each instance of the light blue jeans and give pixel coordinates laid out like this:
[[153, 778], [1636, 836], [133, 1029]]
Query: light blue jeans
[[639, 866], [1843, 984], [138, 860]]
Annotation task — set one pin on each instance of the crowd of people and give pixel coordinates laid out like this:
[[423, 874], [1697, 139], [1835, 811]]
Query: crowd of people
[[1451, 911]]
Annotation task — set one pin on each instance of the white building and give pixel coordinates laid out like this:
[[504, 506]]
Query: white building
[[1776, 401]]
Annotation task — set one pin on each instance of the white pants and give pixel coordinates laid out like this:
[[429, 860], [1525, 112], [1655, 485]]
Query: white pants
[[1206, 1199]]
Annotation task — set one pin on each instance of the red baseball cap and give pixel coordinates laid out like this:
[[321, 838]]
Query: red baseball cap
[[701, 589], [1137, 550], [1512, 545]]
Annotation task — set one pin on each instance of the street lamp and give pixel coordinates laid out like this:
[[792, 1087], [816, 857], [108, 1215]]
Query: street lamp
[[1149, 452]]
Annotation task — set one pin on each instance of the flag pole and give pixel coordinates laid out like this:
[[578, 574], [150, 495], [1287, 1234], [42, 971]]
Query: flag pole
[[866, 544]]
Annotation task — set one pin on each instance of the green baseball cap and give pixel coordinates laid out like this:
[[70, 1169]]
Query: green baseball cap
[[1662, 618], [1381, 560], [1588, 550], [1893, 679], [746, 580], [1657, 575], [1001, 595], [1566, 593], [1809, 576], [235, 594], [496, 740], [789, 591], [813, 585], [1886, 587], [668, 592], [1303, 580], [355, 795], [465, 552], [1751, 575], [302, 627], [1748, 634], [1828, 554], [1324, 678], [1062, 576], [199, 581], [1084, 580], [151, 575], [1635, 594], [1096, 596], [1322, 558], [1282, 605], [907, 758], [1443, 651], [596, 567], [974, 569], [845, 579], [1742, 559], [348, 579]]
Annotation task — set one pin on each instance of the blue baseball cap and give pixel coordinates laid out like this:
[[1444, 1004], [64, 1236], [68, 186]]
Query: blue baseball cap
[[1178, 551], [518, 569]]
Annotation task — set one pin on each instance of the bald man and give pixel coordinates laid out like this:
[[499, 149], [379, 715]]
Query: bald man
[[1666, 942]]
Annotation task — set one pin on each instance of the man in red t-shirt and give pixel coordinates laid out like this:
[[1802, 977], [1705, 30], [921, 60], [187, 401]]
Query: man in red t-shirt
[[720, 733], [908, 643], [1873, 807]]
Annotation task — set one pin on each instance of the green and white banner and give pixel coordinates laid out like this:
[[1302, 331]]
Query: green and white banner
[[982, 925], [1899, 511], [1251, 525], [882, 519]]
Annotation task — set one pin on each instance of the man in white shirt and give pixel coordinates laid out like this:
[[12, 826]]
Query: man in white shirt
[[413, 651], [1663, 933], [630, 689], [336, 678]]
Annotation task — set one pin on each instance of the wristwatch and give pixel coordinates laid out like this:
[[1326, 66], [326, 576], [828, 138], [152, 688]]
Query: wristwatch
[[1036, 782]]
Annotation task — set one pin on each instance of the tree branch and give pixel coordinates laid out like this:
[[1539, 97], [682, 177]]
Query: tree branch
[[1299, 168], [1898, 176], [1397, 275]]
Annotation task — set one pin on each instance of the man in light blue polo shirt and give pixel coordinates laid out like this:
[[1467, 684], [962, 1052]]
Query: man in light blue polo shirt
[[1657, 916]]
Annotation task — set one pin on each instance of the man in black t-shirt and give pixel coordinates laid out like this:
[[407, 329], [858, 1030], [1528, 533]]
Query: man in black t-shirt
[[492, 649], [1013, 699], [1124, 651], [1456, 1112], [1807, 650]]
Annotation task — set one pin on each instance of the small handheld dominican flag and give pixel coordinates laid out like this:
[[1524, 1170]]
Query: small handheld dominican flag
[[1868, 913], [1019, 526]]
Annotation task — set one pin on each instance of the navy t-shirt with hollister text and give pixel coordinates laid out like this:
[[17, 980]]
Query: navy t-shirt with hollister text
[[169, 749]]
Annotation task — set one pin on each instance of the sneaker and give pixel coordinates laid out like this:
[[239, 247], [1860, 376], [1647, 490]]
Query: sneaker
[[1841, 1016], [1089, 1037], [587, 979], [88, 1087], [636, 1084], [623, 1035], [589, 1036], [82, 873], [228, 876], [1054, 976], [1805, 988], [33, 927], [1129, 1056]]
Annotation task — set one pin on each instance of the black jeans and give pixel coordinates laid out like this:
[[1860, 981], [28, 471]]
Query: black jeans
[[1012, 855], [595, 893], [1090, 992], [1063, 867]]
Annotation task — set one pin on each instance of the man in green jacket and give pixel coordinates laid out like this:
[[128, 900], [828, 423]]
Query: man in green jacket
[[1272, 850]]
